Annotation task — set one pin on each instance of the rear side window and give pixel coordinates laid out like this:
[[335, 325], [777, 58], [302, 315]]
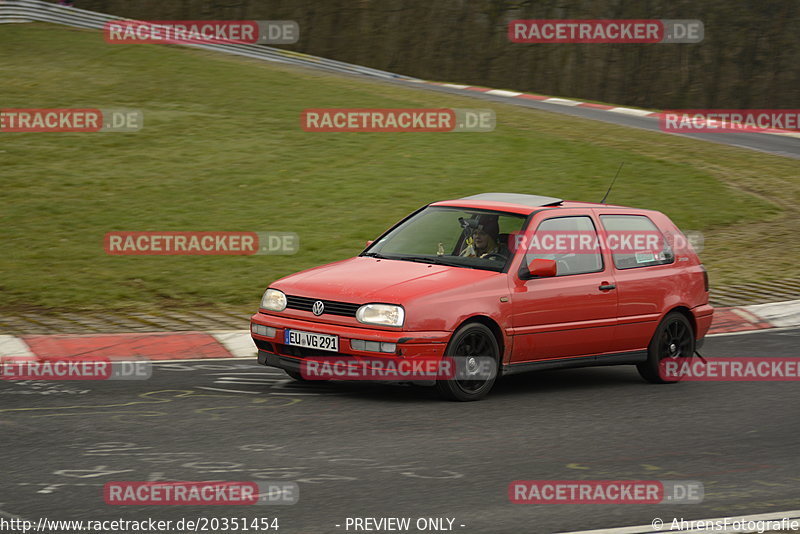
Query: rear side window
[[635, 241], [571, 241]]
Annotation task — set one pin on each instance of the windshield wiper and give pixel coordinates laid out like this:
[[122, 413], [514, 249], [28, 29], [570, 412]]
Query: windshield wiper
[[435, 261], [418, 259], [401, 258], [373, 255], [422, 259]]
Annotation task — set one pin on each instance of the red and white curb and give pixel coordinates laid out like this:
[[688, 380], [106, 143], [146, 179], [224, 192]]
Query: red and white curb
[[168, 346], [152, 346], [771, 522], [756, 317], [575, 103]]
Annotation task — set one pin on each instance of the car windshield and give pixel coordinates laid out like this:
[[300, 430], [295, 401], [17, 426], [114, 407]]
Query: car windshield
[[461, 237]]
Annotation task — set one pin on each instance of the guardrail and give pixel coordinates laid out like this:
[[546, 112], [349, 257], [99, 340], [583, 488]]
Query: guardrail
[[22, 11]]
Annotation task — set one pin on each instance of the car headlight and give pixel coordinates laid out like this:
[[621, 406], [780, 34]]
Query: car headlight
[[273, 300], [381, 314]]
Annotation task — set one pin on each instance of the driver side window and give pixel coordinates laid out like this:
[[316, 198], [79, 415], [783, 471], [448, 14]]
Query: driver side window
[[571, 241]]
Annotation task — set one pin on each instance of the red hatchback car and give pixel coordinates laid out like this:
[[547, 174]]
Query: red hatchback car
[[525, 282]]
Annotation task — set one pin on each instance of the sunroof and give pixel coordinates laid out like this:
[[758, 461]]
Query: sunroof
[[514, 198]]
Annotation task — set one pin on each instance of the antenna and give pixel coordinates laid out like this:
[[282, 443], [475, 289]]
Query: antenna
[[612, 183]]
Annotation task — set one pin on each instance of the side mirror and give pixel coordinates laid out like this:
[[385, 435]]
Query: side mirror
[[370, 242], [543, 268]]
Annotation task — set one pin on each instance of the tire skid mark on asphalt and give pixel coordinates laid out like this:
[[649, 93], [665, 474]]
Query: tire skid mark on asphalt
[[201, 464], [204, 360], [609, 459], [225, 374], [715, 488], [255, 403], [50, 487], [629, 466], [312, 394], [39, 387], [148, 399], [116, 415], [203, 365], [576, 466], [228, 390], [269, 384]]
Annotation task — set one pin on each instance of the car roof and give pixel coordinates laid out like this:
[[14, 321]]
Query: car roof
[[514, 202], [516, 198]]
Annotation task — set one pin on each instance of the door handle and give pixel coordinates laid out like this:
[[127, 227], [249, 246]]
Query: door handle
[[605, 286]]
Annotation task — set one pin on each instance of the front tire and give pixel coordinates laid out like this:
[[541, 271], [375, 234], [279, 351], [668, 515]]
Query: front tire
[[674, 338], [469, 341]]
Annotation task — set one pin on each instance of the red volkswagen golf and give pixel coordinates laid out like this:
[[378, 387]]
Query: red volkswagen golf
[[497, 283]]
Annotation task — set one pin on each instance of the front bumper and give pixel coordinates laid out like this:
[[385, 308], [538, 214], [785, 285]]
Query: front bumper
[[274, 352], [287, 363]]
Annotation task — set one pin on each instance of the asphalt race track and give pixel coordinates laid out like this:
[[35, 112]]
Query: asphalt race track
[[374, 450], [780, 145]]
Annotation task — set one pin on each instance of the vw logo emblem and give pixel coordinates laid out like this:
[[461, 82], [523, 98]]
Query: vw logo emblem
[[318, 308]]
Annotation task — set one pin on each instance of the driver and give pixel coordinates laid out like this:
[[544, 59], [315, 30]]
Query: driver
[[484, 238]]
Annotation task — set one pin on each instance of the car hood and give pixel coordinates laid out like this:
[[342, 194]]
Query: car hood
[[361, 279]]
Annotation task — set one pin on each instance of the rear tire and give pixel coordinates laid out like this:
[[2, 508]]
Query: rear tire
[[472, 339], [674, 338]]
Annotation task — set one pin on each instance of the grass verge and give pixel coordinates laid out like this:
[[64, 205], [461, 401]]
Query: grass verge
[[222, 150]]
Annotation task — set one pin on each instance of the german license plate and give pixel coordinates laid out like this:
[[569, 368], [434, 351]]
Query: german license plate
[[311, 340]]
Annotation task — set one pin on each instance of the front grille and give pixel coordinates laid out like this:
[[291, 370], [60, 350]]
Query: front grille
[[332, 307], [304, 352]]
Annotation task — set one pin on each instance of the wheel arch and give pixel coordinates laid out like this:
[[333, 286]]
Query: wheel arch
[[686, 312], [492, 325]]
